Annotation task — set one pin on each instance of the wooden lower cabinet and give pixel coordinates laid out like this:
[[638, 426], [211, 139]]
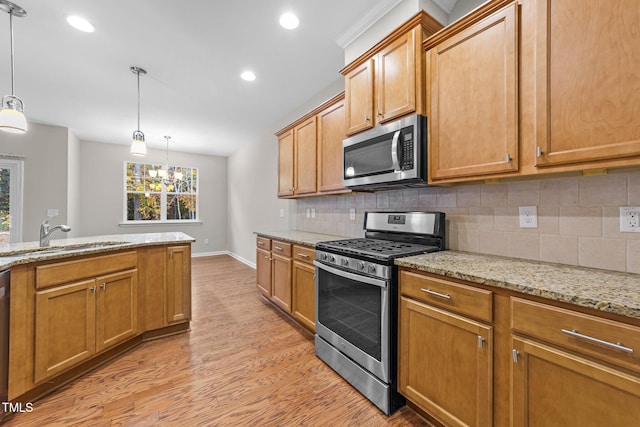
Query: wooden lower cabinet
[[77, 320], [281, 283], [263, 272], [552, 387], [178, 289], [445, 364], [303, 287]]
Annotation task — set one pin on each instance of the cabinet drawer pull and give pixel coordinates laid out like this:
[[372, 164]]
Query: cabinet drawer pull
[[615, 346], [514, 354], [507, 158], [278, 248], [260, 243], [104, 286], [538, 151], [93, 289], [303, 255], [437, 294]]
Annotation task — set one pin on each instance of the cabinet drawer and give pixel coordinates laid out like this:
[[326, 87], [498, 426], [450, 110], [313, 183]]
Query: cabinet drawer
[[263, 243], [461, 299], [605, 339], [281, 248], [304, 254], [71, 271]]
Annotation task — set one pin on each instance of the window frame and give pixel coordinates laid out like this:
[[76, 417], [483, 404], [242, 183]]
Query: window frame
[[163, 198], [16, 194]]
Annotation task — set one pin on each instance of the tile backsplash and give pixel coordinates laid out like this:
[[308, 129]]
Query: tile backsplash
[[578, 217]]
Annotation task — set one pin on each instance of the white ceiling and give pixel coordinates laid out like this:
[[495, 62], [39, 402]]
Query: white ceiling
[[193, 51]]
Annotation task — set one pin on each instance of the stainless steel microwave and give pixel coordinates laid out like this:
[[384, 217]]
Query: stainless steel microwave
[[389, 155]]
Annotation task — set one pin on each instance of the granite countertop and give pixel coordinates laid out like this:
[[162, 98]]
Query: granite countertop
[[608, 291], [299, 237], [28, 252]]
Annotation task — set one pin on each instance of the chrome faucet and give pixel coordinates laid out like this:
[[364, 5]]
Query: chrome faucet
[[45, 232]]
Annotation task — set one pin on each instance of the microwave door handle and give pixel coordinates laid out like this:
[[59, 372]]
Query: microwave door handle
[[394, 151]]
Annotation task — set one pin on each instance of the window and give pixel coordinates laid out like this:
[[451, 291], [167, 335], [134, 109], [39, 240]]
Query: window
[[160, 193], [10, 199]]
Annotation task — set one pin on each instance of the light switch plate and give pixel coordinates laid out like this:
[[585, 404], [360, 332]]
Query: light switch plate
[[352, 214], [313, 212], [630, 219], [52, 212], [281, 213]]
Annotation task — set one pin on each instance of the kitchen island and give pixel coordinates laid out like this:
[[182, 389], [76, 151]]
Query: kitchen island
[[82, 301]]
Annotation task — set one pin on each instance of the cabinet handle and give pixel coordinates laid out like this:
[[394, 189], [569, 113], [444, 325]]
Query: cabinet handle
[[480, 341], [538, 151], [378, 113], [507, 158], [303, 256], [93, 289], [514, 355], [367, 119], [615, 346], [170, 254], [437, 294], [278, 248], [260, 243], [104, 286]]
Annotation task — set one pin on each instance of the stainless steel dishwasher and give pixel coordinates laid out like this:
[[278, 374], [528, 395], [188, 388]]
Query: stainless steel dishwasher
[[4, 337]]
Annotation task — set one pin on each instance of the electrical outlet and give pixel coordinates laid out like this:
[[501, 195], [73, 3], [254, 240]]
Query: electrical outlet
[[206, 241], [52, 212], [528, 216], [352, 214], [308, 213], [630, 220], [313, 212], [281, 213]]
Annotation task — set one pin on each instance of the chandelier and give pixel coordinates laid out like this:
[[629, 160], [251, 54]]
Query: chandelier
[[169, 176]]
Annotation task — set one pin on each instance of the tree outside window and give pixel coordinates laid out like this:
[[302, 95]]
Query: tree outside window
[[160, 193]]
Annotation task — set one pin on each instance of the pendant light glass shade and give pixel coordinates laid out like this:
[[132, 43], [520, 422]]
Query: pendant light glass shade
[[138, 147], [12, 117]]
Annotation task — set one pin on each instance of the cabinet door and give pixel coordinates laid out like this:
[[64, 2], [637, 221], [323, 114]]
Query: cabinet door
[[304, 295], [587, 93], [116, 308], [64, 327], [263, 271], [551, 387], [281, 282], [331, 132], [396, 79], [285, 164], [305, 154], [178, 291], [474, 98], [445, 364], [358, 87]]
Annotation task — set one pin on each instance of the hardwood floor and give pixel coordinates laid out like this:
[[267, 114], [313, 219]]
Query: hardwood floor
[[243, 363]]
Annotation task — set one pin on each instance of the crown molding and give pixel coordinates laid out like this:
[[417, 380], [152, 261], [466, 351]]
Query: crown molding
[[366, 22]]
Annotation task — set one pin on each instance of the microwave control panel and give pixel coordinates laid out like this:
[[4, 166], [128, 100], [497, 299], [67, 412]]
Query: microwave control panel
[[406, 155]]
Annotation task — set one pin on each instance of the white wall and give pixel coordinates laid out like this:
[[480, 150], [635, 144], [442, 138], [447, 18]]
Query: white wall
[[73, 184], [102, 186], [253, 184], [45, 151]]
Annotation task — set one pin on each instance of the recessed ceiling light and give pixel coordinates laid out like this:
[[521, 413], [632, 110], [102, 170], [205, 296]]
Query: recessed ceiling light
[[289, 21], [80, 24], [248, 76]]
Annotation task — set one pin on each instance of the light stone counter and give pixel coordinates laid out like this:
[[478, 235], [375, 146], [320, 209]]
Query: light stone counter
[[603, 290], [28, 252], [299, 237]]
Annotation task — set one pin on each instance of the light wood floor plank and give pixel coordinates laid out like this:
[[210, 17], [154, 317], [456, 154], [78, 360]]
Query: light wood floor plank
[[244, 363]]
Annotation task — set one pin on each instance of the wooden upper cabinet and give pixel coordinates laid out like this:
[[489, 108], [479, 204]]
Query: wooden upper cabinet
[[386, 82], [285, 164], [473, 88], [396, 78], [331, 132], [359, 98], [305, 156], [310, 156], [587, 83]]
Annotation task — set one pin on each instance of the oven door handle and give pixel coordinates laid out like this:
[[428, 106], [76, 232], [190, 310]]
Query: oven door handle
[[355, 277], [394, 151]]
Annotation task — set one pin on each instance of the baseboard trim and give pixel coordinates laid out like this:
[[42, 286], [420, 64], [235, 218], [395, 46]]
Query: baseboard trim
[[242, 260], [231, 254]]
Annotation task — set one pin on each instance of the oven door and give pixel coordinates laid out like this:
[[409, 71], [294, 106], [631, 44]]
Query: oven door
[[352, 314]]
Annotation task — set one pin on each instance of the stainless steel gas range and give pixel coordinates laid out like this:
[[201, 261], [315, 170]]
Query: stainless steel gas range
[[357, 298]]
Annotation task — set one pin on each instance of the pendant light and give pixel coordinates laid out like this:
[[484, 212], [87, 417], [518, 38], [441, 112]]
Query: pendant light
[[12, 117], [138, 148], [168, 178]]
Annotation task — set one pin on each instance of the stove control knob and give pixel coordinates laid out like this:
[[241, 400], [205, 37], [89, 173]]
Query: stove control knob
[[372, 269], [332, 258], [323, 256], [345, 262], [360, 266]]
